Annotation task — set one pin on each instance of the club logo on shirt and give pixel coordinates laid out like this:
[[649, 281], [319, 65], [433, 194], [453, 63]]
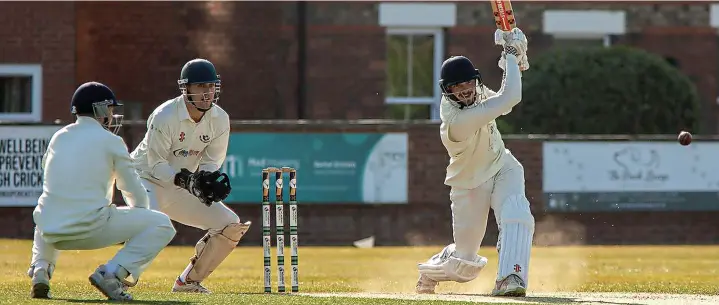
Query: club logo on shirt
[[205, 138], [185, 153], [182, 136]]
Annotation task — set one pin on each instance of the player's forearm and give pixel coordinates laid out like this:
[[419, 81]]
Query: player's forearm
[[163, 172], [137, 200], [210, 167], [470, 120], [128, 182], [133, 191], [158, 150]]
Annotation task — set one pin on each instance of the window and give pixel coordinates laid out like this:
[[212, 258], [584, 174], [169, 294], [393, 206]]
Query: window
[[414, 57], [408, 111], [21, 93], [583, 28]]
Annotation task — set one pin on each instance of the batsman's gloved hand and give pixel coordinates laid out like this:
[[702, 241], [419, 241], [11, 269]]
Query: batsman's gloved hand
[[513, 42], [207, 186]]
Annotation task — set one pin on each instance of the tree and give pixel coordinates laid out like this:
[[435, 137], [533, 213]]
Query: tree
[[617, 90]]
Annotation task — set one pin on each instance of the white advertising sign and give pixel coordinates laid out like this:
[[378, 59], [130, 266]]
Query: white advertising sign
[[575, 167], [21, 151]]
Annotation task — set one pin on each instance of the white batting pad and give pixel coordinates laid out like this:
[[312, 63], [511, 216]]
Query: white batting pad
[[213, 248], [444, 266], [516, 233]]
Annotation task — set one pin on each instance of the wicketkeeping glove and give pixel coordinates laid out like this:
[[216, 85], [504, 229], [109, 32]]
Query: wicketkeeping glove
[[209, 187]]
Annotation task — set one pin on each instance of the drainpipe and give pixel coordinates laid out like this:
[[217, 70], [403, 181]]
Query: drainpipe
[[301, 58]]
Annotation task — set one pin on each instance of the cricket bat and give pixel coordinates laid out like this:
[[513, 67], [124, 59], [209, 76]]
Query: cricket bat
[[503, 15]]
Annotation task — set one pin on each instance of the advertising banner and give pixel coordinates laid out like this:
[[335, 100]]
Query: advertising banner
[[619, 176], [21, 151], [331, 167]]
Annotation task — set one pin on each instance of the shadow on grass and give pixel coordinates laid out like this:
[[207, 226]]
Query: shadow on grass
[[156, 302], [551, 300]]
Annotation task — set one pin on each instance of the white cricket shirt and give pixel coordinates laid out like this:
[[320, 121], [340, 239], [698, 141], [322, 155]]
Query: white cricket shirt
[[80, 166], [174, 141], [470, 135]]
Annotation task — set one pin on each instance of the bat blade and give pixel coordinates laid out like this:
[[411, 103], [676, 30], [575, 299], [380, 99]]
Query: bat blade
[[503, 14]]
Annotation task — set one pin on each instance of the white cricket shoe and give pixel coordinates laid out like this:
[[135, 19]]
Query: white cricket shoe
[[193, 287], [109, 285], [510, 286], [425, 285], [40, 283]]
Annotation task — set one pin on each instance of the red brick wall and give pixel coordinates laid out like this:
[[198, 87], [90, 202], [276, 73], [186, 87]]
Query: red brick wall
[[138, 49], [42, 33], [140, 52]]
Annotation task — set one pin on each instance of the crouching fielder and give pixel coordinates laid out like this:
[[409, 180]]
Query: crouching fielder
[[179, 161], [482, 174], [74, 212]]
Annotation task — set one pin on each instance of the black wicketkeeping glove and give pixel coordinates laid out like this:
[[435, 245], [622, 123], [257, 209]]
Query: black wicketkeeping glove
[[209, 187]]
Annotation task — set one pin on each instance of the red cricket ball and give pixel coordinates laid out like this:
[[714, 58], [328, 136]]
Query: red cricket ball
[[685, 138]]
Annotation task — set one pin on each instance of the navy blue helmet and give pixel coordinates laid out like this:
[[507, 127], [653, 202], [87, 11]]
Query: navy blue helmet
[[456, 70], [97, 100], [200, 71]]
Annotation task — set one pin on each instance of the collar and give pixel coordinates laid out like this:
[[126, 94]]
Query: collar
[[81, 119], [183, 114]]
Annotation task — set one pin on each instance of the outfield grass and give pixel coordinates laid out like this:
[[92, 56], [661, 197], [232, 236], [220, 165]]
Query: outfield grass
[[686, 270]]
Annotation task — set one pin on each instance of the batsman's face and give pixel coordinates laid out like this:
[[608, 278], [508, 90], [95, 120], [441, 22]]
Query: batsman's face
[[201, 94], [465, 92]]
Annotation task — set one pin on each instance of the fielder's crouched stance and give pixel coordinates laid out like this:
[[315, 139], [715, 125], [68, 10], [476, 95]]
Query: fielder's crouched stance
[[179, 161], [74, 212], [482, 174]]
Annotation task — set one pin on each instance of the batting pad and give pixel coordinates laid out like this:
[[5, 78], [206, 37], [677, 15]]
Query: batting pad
[[516, 233], [444, 266], [213, 248]]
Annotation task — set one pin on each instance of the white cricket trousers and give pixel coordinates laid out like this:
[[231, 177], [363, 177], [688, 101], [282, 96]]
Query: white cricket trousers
[[183, 207], [144, 232], [505, 194]]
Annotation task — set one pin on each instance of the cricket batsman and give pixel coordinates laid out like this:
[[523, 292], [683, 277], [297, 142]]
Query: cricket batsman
[[179, 161], [82, 163], [482, 173]]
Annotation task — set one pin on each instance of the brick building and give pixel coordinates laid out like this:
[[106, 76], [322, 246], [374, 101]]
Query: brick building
[[340, 60]]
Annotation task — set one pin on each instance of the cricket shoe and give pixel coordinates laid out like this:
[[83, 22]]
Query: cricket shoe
[[109, 285], [40, 283], [510, 286], [425, 285], [193, 287]]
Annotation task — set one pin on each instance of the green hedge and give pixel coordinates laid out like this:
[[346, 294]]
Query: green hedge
[[615, 90]]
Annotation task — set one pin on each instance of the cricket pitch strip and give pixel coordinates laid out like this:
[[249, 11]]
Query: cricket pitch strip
[[583, 298]]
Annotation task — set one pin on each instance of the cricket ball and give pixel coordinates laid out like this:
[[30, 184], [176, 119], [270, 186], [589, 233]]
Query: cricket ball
[[685, 138]]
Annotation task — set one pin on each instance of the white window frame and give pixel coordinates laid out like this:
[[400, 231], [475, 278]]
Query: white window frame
[[714, 15], [34, 71], [438, 34], [588, 24]]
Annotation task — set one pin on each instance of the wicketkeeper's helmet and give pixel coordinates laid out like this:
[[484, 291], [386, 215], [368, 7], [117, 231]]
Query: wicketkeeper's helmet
[[199, 71]]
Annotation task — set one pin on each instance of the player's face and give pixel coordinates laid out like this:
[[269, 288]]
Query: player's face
[[465, 92], [201, 94], [110, 117]]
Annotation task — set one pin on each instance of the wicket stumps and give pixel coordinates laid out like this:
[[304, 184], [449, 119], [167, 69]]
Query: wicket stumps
[[279, 228]]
